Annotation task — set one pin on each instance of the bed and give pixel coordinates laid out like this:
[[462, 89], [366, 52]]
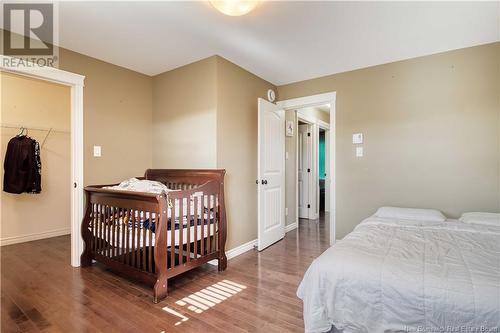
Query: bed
[[152, 237], [393, 275]]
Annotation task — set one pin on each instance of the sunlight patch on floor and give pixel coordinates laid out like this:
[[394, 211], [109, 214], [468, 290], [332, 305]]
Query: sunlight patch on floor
[[206, 298]]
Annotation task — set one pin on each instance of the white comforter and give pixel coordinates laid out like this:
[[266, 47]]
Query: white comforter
[[404, 276]]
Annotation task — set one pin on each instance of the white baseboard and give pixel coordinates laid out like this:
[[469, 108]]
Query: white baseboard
[[31, 237], [291, 227], [237, 251]]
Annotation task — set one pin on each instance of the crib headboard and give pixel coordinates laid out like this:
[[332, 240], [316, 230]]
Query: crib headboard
[[185, 178]]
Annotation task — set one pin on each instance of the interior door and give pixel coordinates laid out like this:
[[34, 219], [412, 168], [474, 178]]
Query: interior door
[[304, 169], [271, 174]]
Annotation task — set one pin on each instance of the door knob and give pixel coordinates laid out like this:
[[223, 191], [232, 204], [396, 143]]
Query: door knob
[[264, 182]]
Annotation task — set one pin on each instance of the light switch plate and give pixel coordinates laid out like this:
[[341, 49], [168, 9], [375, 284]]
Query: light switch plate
[[286, 211], [357, 138], [359, 151], [97, 151]]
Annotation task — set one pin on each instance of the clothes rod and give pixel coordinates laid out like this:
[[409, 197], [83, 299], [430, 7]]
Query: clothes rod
[[44, 129]]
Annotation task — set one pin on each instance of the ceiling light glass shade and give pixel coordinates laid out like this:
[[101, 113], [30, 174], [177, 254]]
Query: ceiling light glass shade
[[234, 7]]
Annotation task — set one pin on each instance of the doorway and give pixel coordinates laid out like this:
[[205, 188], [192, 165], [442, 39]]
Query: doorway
[[312, 144], [323, 180], [275, 215], [304, 170], [76, 83]]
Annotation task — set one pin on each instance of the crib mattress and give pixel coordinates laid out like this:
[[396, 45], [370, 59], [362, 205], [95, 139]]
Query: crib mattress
[[145, 237]]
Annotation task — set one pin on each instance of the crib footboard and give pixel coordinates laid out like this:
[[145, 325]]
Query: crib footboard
[[115, 231], [152, 238]]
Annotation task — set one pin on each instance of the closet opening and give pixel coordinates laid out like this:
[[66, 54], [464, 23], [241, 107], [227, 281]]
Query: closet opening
[[44, 109], [36, 151]]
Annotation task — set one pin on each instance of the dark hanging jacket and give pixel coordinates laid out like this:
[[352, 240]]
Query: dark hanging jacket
[[22, 166]]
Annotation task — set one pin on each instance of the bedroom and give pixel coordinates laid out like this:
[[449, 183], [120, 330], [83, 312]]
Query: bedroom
[[428, 111]]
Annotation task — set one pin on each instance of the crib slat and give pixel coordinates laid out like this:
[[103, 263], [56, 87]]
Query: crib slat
[[100, 228], [116, 211], [196, 220], [112, 226], [172, 233], [127, 238], [121, 234], [209, 218], [181, 229], [214, 226], [134, 235], [150, 247], [93, 229], [103, 230], [188, 240], [142, 253], [108, 228], [202, 217]]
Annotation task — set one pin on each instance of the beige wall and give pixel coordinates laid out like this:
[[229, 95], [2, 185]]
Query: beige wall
[[291, 162], [431, 127], [117, 116], [205, 116], [237, 93], [184, 116], [35, 103]]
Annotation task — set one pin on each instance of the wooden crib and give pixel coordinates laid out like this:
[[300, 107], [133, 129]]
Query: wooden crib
[[153, 237]]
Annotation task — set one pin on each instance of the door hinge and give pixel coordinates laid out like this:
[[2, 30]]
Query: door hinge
[[308, 134], [308, 206], [308, 170]]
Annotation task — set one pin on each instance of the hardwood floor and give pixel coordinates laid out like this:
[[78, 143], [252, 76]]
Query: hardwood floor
[[40, 291]]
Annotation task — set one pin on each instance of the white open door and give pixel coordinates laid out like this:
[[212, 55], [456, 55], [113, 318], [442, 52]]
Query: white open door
[[271, 174], [304, 170]]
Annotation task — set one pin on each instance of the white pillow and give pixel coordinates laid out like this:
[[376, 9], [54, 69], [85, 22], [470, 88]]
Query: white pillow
[[415, 214], [481, 218]]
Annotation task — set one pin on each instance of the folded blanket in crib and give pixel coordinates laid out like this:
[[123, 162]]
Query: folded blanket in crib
[[138, 185]]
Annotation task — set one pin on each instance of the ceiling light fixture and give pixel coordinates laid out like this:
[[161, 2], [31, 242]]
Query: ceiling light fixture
[[234, 7]]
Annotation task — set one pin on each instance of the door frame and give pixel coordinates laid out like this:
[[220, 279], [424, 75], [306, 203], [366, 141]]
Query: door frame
[[76, 83], [315, 100], [311, 214]]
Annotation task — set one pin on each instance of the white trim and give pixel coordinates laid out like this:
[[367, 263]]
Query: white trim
[[76, 82], [323, 124], [45, 73], [239, 250], [291, 226], [313, 100], [36, 236], [306, 118], [321, 99]]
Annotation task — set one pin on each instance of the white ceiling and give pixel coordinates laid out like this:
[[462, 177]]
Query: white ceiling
[[281, 42]]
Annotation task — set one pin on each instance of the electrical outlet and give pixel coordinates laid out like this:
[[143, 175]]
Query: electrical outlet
[[97, 151]]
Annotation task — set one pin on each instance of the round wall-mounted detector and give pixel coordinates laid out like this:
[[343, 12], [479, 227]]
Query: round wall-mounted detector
[[271, 96]]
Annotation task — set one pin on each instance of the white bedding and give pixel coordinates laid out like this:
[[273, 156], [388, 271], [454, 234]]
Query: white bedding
[[404, 276], [138, 237]]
